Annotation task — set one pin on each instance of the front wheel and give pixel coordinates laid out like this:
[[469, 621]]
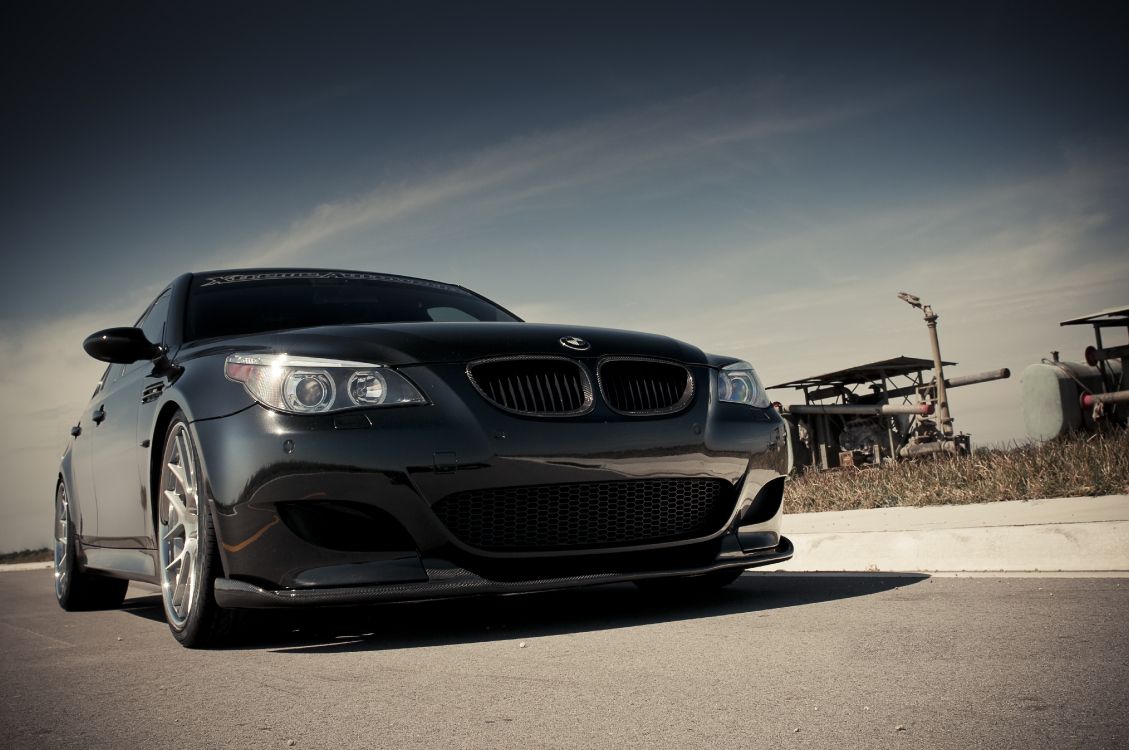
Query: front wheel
[[189, 554], [75, 589]]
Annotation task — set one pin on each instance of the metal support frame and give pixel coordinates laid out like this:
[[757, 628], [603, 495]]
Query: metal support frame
[[1099, 356]]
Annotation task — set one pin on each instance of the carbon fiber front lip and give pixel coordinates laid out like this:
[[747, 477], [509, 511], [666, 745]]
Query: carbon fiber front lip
[[447, 580]]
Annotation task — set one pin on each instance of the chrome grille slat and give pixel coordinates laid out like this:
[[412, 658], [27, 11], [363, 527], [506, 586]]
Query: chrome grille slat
[[557, 388], [545, 406]]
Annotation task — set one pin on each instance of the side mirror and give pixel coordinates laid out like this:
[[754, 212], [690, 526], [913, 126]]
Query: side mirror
[[121, 346]]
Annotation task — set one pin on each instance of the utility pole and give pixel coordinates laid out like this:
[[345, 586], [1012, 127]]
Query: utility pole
[[939, 376]]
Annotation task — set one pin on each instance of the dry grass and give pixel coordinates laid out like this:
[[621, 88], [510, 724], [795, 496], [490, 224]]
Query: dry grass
[[1072, 467], [27, 555]]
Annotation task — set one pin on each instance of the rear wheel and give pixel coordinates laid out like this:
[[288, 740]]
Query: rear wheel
[[189, 554], [690, 584], [75, 589]]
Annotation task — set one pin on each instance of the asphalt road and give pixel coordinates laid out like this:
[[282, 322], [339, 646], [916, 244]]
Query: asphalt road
[[774, 661]]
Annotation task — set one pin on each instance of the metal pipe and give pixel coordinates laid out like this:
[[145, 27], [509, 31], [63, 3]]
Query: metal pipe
[[981, 377], [1096, 354], [863, 409], [944, 417], [1101, 363], [931, 318], [823, 442], [924, 449], [957, 382], [1117, 397]]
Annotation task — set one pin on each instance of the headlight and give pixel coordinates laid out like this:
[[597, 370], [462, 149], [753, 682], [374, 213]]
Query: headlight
[[304, 385], [738, 383]]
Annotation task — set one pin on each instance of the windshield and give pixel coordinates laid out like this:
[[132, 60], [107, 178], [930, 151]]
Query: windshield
[[242, 303]]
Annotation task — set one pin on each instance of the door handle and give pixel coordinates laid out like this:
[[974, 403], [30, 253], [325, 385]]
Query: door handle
[[99, 415]]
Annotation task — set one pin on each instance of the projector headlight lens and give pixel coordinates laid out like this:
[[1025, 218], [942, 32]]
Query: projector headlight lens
[[368, 388], [307, 385], [738, 384]]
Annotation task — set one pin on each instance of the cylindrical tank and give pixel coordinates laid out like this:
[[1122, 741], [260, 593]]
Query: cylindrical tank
[[1052, 397]]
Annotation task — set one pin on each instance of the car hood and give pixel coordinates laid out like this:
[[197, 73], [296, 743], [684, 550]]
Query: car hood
[[431, 343]]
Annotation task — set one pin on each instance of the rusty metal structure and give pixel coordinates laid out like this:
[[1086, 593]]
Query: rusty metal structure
[[1061, 397], [892, 409], [1101, 357], [872, 412]]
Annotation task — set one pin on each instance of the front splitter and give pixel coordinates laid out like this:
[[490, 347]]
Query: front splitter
[[446, 580]]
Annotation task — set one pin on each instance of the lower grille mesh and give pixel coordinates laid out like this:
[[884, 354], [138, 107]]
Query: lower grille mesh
[[588, 514]]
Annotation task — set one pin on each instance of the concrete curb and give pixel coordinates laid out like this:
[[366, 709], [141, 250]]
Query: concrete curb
[[1069, 535], [13, 567]]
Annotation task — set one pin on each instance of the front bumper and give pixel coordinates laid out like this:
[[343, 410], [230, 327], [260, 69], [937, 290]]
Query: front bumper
[[265, 469]]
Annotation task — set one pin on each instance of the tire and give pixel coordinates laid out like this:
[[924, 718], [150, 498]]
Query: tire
[[76, 589], [690, 584], [188, 553]]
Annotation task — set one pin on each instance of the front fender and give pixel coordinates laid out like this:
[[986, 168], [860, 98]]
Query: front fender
[[66, 476], [198, 389]]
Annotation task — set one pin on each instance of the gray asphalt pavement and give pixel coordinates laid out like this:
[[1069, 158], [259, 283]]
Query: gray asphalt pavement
[[775, 661]]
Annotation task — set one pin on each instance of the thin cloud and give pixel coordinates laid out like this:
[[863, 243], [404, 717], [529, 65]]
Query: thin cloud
[[592, 153]]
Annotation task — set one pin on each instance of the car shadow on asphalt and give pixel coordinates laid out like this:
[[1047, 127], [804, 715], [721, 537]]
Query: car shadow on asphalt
[[525, 616], [148, 606]]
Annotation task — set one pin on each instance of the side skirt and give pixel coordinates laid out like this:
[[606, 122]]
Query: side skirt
[[134, 564]]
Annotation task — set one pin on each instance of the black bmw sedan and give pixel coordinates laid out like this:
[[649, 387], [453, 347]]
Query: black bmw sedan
[[279, 438]]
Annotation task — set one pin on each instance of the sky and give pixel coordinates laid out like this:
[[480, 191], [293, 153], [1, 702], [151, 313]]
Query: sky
[[758, 179]]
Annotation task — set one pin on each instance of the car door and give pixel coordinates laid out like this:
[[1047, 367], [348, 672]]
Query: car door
[[84, 509], [119, 459]]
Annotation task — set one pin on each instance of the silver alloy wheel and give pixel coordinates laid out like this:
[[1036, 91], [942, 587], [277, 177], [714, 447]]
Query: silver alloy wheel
[[179, 527], [62, 541]]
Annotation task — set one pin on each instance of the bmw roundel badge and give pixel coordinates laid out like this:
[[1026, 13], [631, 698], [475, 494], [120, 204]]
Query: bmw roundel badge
[[575, 343]]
